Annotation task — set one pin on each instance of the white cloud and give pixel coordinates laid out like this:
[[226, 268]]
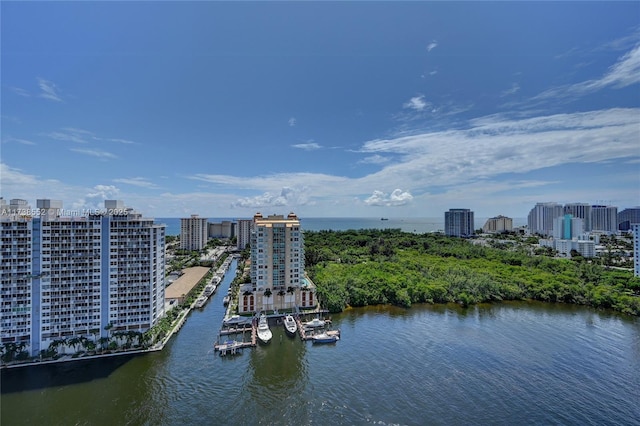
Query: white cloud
[[122, 141], [515, 87], [432, 46], [416, 103], [74, 134], [19, 91], [396, 198], [94, 198], [71, 134], [95, 153], [494, 145], [137, 181], [49, 90], [17, 140], [374, 159], [292, 121], [310, 146], [290, 197], [625, 72]]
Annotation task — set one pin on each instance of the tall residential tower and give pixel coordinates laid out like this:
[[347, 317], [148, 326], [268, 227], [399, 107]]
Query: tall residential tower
[[79, 276]]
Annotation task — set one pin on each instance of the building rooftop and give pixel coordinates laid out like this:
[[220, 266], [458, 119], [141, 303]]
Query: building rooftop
[[186, 282]]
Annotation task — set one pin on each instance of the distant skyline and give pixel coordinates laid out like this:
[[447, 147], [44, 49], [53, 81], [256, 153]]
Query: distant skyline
[[327, 109]]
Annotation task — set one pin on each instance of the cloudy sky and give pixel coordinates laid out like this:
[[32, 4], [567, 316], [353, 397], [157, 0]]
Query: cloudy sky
[[358, 109]]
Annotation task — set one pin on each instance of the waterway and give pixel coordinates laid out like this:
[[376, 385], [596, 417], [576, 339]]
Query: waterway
[[509, 363]]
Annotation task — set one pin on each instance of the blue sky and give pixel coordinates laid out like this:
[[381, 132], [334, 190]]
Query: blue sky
[[398, 109]]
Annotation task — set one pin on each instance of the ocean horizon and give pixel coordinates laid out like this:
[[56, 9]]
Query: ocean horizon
[[416, 225]]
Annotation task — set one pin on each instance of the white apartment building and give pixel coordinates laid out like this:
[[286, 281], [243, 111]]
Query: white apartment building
[[224, 229], [635, 228], [65, 277], [193, 233], [244, 228], [278, 280], [580, 210], [586, 248], [604, 218], [540, 218], [498, 224]]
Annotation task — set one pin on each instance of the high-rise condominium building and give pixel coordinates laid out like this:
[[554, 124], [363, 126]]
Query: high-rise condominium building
[[604, 218], [224, 229], [458, 223], [567, 227], [498, 224], [244, 228], [193, 233], [581, 210], [635, 228], [278, 280], [81, 275], [627, 217], [541, 217]]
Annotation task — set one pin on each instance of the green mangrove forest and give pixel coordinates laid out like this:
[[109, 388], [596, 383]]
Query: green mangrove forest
[[369, 267]]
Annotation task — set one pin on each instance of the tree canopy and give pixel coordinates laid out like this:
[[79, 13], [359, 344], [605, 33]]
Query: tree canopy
[[368, 267]]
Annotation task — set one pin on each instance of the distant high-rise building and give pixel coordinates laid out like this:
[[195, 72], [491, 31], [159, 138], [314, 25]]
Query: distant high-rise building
[[193, 233], [459, 223], [627, 217], [567, 227], [581, 210], [541, 217], [635, 228], [604, 218], [224, 229], [498, 224], [244, 228], [78, 276]]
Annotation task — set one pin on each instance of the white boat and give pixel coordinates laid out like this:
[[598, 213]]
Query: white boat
[[264, 333], [315, 323], [290, 325], [209, 289], [235, 320], [226, 300], [201, 301], [325, 338]]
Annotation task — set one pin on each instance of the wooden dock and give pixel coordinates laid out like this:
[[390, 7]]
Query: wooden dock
[[232, 347]]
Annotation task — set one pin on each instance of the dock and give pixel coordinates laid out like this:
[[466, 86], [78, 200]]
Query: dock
[[231, 347]]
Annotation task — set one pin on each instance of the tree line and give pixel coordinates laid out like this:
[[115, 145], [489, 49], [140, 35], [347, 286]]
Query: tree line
[[368, 267]]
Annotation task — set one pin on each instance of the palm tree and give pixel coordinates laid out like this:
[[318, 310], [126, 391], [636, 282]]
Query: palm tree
[[74, 342], [103, 341]]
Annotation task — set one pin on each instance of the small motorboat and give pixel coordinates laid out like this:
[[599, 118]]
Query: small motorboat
[[235, 320], [315, 323], [290, 325], [264, 333], [325, 338], [200, 302]]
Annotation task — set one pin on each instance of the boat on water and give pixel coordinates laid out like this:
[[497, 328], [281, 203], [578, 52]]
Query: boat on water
[[200, 301], [384, 218], [236, 320], [290, 325], [264, 333], [315, 323], [325, 338], [209, 289], [226, 300]]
